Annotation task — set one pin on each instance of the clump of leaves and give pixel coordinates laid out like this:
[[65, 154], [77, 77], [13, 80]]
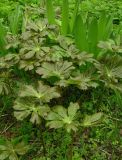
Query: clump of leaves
[[69, 118]]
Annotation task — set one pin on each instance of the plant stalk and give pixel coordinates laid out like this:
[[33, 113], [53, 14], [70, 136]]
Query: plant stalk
[[70, 148]]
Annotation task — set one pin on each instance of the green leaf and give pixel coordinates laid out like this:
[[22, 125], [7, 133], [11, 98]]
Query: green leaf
[[72, 109], [92, 119], [43, 92], [74, 15], [80, 34], [61, 117], [109, 27], [110, 69], [55, 124], [13, 156], [50, 12], [2, 38], [3, 155], [105, 26], [14, 20], [24, 109], [21, 148], [11, 151], [60, 111], [60, 70], [65, 17], [101, 26], [92, 35], [83, 82]]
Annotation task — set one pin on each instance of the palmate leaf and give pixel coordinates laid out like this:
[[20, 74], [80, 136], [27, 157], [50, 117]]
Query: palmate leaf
[[23, 110], [43, 92], [40, 29], [13, 41], [34, 49], [11, 60], [116, 86], [60, 70], [82, 58], [91, 120], [4, 87], [11, 151], [28, 65], [110, 68], [61, 117], [110, 72], [110, 45], [82, 81]]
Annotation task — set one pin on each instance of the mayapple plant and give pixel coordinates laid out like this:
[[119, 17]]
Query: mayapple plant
[[56, 117], [69, 118], [12, 151]]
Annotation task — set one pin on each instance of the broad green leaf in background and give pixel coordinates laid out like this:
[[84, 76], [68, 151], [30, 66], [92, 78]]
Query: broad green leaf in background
[[105, 25], [74, 15], [50, 11], [80, 32], [92, 36], [2, 38], [65, 17], [15, 20], [109, 27]]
